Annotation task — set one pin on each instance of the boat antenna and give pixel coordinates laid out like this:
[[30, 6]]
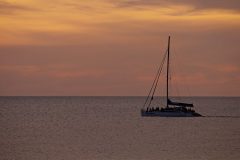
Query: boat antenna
[[168, 52]]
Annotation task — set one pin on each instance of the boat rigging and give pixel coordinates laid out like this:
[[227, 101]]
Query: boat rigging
[[172, 109]]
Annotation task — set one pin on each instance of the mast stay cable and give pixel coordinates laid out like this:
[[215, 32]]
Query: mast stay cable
[[155, 82]]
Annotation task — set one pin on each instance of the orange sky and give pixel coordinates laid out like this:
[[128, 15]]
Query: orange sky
[[112, 47]]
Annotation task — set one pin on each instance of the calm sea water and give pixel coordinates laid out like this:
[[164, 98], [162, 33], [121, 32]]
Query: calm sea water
[[111, 128]]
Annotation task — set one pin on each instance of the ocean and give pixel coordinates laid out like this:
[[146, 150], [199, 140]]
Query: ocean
[[111, 128]]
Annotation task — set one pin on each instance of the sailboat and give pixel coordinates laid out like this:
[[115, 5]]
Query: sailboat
[[172, 109]]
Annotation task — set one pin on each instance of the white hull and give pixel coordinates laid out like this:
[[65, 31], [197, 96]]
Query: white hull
[[170, 114]]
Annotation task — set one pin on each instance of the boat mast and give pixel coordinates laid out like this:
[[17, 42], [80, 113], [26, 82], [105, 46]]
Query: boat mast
[[168, 66]]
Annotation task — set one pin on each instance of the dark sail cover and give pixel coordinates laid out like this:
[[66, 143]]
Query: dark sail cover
[[179, 104]]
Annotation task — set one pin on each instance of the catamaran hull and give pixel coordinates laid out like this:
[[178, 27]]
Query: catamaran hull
[[172, 109], [170, 114]]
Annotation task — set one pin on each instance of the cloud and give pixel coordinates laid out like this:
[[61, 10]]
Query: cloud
[[112, 47], [10, 8], [203, 4], [74, 21]]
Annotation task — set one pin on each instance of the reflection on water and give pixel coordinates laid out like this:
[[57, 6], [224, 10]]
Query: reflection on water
[[105, 128]]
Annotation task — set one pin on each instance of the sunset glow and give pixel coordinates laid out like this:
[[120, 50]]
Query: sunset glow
[[112, 47]]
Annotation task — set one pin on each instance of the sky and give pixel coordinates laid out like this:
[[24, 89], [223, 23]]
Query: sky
[[113, 47]]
